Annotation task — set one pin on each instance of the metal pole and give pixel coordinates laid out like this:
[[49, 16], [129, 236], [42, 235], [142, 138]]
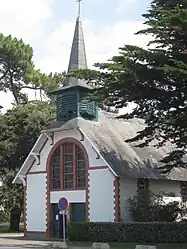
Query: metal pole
[[64, 228]]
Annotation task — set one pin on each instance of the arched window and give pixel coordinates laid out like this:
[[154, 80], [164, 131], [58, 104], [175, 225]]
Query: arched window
[[68, 168]]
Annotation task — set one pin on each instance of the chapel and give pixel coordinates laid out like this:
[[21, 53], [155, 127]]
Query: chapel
[[83, 157]]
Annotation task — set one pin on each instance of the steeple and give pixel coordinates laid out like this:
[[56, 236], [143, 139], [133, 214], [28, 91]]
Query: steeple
[[78, 58], [71, 99]]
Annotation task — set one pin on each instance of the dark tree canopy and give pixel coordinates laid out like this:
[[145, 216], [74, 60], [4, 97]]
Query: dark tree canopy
[[19, 130], [155, 79], [18, 72]]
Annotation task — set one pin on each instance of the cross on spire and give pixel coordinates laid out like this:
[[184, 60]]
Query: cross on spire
[[79, 9]]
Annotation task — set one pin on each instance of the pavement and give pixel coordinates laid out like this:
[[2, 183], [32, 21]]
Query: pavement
[[18, 242]]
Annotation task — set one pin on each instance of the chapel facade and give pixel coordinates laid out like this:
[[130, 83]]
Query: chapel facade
[[84, 158]]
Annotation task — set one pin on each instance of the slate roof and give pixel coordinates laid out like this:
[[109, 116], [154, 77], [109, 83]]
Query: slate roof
[[108, 135], [77, 59]]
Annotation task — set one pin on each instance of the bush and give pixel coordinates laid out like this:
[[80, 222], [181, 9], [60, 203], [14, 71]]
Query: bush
[[157, 209], [4, 216], [129, 232]]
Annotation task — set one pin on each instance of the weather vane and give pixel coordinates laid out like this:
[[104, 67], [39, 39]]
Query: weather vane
[[79, 10]]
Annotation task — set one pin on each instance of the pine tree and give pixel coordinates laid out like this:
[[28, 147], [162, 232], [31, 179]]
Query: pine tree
[[155, 79]]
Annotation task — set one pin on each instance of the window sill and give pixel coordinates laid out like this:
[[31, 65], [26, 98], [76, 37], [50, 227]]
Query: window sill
[[67, 189]]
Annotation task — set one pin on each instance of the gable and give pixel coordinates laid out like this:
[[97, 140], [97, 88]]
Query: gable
[[105, 144], [43, 147]]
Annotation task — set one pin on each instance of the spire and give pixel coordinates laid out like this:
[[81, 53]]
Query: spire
[[79, 10], [78, 54], [78, 58]]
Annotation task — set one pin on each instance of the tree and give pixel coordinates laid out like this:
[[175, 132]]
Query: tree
[[158, 210], [18, 73], [19, 130], [155, 79]]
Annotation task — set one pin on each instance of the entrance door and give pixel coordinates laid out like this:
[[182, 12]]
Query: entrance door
[[55, 221], [78, 212]]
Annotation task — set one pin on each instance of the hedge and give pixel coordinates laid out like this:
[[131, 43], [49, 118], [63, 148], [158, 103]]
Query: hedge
[[129, 232]]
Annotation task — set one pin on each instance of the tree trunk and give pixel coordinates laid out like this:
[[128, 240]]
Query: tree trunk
[[15, 216]]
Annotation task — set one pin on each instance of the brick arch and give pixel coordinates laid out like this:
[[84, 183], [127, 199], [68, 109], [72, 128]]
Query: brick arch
[[67, 140], [48, 168]]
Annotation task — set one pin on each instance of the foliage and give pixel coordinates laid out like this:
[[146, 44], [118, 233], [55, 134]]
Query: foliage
[[4, 216], [152, 232], [19, 130], [18, 73], [158, 209], [154, 78]]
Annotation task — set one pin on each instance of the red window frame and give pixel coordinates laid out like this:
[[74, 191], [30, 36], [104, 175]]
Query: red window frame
[[65, 158]]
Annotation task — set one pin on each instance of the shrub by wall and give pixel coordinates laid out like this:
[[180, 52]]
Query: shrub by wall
[[4, 216], [129, 232]]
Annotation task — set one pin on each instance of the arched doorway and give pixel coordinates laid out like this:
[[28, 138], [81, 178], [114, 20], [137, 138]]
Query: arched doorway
[[67, 171]]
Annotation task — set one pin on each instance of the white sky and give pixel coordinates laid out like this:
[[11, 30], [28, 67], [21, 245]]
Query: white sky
[[48, 26]]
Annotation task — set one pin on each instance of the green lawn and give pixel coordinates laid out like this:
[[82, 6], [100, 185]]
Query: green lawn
[[131, 245], [4, 230]]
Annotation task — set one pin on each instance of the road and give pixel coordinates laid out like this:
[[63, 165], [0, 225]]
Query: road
[[19, 243]]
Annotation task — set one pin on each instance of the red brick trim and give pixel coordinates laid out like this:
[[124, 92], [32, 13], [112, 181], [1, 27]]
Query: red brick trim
[[61, 169], [74, 168], [25, 209], [97, 168], [117, 199], [37, 172], [48, 205], [34, 233], [88, 197]]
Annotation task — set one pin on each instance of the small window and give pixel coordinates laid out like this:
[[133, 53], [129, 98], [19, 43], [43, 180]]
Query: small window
[[183, 186], [81, 172], [68, 165], [142, 192], [56, 170]]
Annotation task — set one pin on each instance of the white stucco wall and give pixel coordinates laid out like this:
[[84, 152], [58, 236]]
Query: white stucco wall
[[128, 188], [36, 203], [71, 196], [101, 201], [93, 162]]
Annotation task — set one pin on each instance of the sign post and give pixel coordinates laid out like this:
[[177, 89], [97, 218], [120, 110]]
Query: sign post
[[63, 205]]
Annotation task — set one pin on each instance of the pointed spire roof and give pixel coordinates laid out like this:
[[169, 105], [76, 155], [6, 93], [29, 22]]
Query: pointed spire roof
[[78, 58]]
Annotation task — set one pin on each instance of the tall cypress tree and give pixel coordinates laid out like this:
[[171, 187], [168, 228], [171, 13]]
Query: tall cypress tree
[[155, 79]]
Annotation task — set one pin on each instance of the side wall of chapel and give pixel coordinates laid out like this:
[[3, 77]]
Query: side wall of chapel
[[100, 192], [128, 188]]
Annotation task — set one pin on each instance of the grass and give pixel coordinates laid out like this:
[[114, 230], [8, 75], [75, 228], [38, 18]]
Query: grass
[[5, 226], [130, 245]]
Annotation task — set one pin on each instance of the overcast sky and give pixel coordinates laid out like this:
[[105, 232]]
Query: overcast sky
[[48, 26]]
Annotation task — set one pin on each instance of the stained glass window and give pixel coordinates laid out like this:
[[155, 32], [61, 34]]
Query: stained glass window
[[56, 170], [81, 171], [68, 167]]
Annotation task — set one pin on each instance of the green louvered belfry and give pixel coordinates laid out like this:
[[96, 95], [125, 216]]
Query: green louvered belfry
[[74, 103], [72, 99]]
